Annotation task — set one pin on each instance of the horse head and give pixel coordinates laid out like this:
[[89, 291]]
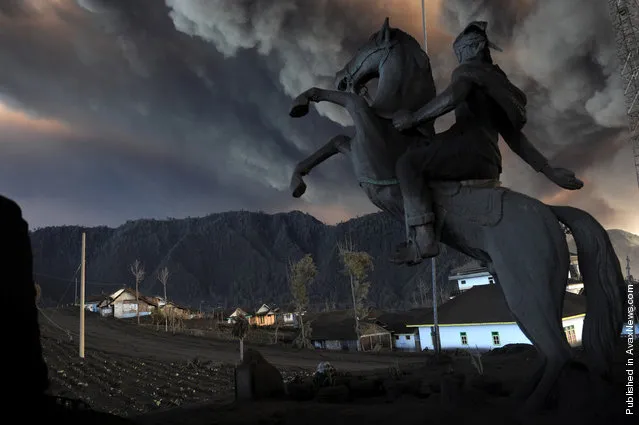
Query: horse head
[[402, 67]]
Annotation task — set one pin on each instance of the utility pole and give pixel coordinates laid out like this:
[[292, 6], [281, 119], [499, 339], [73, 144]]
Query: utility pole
[[82, 292], [75, 298], [433, 265]]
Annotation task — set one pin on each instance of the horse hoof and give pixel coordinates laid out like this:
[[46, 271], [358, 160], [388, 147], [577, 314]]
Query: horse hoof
[[300, 107]]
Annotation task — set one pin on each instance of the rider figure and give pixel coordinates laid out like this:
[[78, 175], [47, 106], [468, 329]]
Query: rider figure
[[486, 104]]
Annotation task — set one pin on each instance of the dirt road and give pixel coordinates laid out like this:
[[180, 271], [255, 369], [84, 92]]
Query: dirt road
[[121, 337]]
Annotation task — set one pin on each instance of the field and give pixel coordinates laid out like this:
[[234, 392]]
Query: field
[[159, 378], [130, 369]]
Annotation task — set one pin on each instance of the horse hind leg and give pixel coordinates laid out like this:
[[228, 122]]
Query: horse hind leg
[[533, 289]]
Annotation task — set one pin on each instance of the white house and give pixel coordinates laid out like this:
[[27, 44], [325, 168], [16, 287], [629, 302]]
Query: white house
[[480, 318], [123, 304], [289, 319], [237, 313], [403, 337], [470, 275], [474, 274], [92, 302]]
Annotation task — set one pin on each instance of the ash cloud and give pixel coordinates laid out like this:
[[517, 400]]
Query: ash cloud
[[206, 84]]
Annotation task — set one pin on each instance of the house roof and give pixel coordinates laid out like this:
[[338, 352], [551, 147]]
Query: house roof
[[146, 299], [473, 266], [396, 322], [486, 304], [95, 298], [338, 325]]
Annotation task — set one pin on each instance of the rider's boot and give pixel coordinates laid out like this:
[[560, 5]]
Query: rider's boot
[[422, 244]]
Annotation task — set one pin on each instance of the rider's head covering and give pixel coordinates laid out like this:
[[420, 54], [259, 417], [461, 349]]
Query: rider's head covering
[[474, 37]]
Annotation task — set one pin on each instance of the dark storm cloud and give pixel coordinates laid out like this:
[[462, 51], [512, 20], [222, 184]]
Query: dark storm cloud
[[121, 69], [188, 99]]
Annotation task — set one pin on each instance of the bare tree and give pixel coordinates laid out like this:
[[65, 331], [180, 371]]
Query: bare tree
[[278, 321], [38, 293], [137, 270], [239, 331], [357, 265], [163, 277], [422, 288], [300, 275]]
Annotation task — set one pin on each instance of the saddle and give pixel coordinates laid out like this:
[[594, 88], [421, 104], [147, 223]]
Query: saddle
[[475, 201]]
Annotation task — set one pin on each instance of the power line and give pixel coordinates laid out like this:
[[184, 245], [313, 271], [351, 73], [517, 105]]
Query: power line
[[68, 332], [64, 279]]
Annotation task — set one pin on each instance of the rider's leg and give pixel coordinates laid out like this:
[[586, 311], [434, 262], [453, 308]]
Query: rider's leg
[[418, 207]]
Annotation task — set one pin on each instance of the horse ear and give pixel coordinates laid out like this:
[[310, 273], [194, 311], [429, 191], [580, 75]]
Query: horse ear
[[384, 34]]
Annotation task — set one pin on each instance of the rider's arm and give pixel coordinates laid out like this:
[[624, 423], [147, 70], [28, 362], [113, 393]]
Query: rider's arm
[[445, 102], [520, 144]]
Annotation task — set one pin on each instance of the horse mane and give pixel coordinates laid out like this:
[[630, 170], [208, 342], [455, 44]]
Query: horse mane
[[417, 86]]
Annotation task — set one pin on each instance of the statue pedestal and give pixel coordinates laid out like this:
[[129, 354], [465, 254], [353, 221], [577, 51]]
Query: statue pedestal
[[245, 382]]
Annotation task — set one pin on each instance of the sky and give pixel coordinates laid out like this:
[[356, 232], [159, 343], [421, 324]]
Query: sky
[[116, 110]]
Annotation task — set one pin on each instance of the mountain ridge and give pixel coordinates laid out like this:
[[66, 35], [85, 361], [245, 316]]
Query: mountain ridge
[[240, 258]]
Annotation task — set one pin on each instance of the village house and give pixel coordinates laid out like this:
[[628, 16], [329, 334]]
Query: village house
[[470, 275], [123, 304], [264, 316], [335, 330], [92, 302], [480, 318], [404, 338], [238, 312], [175, 310], [474, 274]]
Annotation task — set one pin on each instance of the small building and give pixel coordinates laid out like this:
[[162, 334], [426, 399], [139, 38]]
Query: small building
[[265, 316], [92, 302], [238, 312], [480, 318], [470, 275], [404, 338], [289, 319], [123, 304], [335, 330], [175, 310]]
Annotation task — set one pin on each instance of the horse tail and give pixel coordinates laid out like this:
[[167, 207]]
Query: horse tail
[[603, 283]]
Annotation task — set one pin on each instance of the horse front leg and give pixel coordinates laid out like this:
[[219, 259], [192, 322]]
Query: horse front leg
[[350, 101], [337, 144]]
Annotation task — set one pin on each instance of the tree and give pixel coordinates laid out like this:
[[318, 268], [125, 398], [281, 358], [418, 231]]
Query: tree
[[239, 331], [300, 275], [38, 293], [357, 265], [278, 321], [137, 270], [163, 277]]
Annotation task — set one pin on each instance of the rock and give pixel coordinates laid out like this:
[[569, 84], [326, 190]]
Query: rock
[[451, 389], [365, 387], [337, 394], [487, 385], [392, 389], [301, 391], [425, 388], [257, 379]]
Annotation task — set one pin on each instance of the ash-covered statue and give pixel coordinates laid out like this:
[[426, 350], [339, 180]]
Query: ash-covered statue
[[446, 185], [486, 104]]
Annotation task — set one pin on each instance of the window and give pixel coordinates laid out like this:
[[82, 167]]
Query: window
[[464, 338], [495, 338], [463, 282], [570, 334], [491, 280], [408, 337]]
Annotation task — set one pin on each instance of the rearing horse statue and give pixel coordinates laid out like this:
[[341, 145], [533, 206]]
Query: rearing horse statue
[[519, 238]]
